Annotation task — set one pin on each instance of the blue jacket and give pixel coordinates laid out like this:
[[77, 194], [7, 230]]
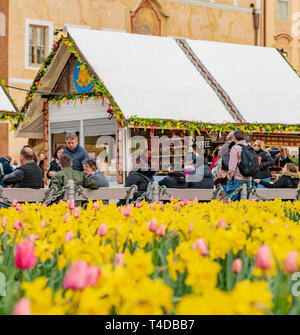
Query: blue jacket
[[100, 178], [78, 156]]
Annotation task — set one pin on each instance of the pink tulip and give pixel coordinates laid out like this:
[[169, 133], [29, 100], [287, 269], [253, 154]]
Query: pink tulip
[[67, 215], [172, 198], [119, 259], [71, 204], [196, 199], [263, 258], [17, 207], [4, 222], [152, 207], [96, 206], [127, 211], [69, 236], [76, 212], [44, 205], [271, 222], [221, 223], [185, 201], [80, 275], [152, 225], [22, 307], [60, 201], [43, 224], [177, 208], [18, 225], [201, 246], [139, 205], [14, 203], [182, 203], [190, 227], [291, 262], [236, 266], [102, 230], [161, 231], [92, 275], [25, 258]]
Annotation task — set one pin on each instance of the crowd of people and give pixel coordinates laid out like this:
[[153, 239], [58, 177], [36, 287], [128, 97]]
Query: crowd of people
[[235, 162]]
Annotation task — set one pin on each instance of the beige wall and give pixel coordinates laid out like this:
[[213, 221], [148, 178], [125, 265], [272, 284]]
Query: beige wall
[[211, 21]]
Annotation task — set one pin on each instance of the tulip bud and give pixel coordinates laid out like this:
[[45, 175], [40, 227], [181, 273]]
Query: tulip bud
[[291, 262], [76, 212], [221, 223], [69, 236], [190, 227], [236, 266], [22, 307], [181, 203], [80, 275], [25, 258], [151, 206], [152, 225], [4, 222], [71, 204], [96, 206], [43, 224], [161, 231], [172, 198], [127, 211], [102, 230], [33, 237], [67, 215], [18, 225], [139, 205], [14, 203], [60, 201], [201, 246], [263, 258], [119, 259], [177, 208]]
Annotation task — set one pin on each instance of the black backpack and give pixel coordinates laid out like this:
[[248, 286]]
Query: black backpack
[[249, 165]]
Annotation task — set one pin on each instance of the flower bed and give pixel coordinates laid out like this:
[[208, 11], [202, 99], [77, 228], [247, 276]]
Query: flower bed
[[178, 258]]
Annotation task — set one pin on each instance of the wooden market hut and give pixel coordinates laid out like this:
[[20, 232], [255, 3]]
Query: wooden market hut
[[101, 83]]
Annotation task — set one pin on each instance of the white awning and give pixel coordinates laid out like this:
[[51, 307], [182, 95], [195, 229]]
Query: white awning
[[6, 104], [149, 76]]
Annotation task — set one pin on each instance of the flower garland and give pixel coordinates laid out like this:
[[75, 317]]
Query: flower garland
[[100, 91]]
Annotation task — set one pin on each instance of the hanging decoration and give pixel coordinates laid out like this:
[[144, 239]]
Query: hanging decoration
[[99, 91]]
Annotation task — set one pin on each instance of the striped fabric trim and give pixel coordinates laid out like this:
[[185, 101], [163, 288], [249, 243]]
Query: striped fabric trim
[[218, 89]]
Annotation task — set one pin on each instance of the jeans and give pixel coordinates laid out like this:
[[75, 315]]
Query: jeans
[[224, 186], [233, 185], [268, 180]]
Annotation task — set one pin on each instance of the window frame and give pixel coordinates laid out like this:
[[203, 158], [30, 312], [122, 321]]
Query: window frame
[[48, 40], [289, 11]]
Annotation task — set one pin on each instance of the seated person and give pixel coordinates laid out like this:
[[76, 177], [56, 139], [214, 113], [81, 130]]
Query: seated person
[[201, 177], [175, 178], [28, 175], [288, 179], [90, 169], [60, 179], [142, 179]]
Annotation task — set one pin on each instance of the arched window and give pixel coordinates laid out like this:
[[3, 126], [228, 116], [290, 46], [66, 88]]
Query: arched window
[[2, 24], [146, 20]]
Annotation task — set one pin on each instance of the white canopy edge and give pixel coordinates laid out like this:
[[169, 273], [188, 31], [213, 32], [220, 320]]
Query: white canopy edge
[[5, 103]]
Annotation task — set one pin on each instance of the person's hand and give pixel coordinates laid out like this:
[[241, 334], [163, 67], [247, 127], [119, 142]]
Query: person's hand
[[10, 186], [257, 181], [51, 174]]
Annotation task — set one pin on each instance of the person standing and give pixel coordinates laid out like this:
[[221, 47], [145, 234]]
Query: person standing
[[54, 165], [265, 162], [77, 153], [234, 176], [28, 175]]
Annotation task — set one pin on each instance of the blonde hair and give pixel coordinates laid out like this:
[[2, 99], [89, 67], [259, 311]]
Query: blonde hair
[[261, 144]]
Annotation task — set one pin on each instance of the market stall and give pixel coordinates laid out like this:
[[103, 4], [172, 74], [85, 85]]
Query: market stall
[[110, 86]]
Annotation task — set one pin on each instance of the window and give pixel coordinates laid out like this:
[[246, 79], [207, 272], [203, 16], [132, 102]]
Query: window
[[283, 10], [38, 42]]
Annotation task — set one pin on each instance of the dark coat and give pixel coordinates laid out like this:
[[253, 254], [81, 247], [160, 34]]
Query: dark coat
[[286, 180], [266, 162], [6, 166], [207, 182], [174, 179], [28, 175], [54, 166], [141, 179]]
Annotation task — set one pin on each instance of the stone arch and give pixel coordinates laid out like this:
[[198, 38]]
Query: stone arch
[[2, 24], [148, 18]]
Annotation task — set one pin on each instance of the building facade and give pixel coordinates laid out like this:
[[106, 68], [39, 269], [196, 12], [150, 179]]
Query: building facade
[[34, 23]]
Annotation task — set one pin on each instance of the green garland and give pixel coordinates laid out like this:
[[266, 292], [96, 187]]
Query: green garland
[[100, 91]]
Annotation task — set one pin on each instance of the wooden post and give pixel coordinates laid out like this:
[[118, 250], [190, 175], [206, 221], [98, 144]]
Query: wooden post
[[46, 139]]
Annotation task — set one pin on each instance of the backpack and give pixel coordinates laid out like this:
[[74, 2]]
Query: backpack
[[249, 165]]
